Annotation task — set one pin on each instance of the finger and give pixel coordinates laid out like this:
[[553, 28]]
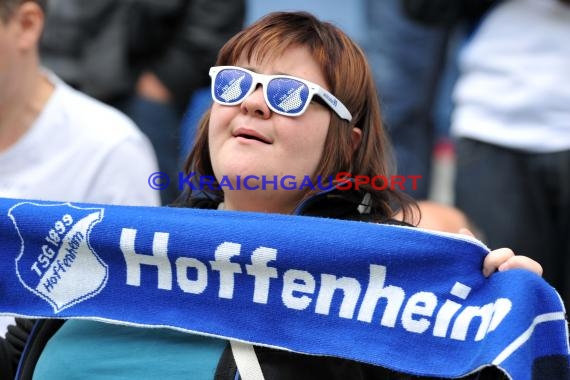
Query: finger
[[521, 262], [495, 259]]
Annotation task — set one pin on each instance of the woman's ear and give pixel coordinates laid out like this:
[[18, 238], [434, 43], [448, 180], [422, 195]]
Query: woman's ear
[[356, 135]]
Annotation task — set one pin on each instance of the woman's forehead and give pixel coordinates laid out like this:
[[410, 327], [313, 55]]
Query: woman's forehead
[[286, 60], [295, 60], [262, 55]]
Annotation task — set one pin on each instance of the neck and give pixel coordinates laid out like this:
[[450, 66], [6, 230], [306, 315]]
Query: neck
[[22, 105]]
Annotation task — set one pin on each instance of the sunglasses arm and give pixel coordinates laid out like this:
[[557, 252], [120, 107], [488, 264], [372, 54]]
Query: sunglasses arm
[[334, 103]]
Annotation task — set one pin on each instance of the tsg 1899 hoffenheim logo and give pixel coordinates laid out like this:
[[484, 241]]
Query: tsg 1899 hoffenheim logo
[[56, 261]]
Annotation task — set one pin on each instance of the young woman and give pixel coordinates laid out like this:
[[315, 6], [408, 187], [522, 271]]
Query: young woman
[[293, 96], [251, 131]]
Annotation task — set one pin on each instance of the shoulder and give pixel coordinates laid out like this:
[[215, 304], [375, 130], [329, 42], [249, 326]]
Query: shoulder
[[94, 118], [94, 146], [77, 117]]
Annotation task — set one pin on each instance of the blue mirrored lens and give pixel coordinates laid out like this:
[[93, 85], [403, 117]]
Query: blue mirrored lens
[[287, 95], [230, 86]]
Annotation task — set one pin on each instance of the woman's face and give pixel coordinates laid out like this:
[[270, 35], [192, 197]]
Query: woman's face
[[290, 146]]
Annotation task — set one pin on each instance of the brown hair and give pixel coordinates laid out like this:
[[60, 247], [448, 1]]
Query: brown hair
[[7, 7], [348, 77]]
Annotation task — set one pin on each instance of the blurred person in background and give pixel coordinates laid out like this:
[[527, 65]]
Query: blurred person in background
[[412, 47], [145, 57], [56, 143], [512, 118], [407, 59]]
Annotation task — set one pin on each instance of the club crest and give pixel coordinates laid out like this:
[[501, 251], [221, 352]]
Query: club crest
[[56, 261]]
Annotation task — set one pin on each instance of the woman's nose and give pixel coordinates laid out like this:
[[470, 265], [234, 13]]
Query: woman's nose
[[255, 104]]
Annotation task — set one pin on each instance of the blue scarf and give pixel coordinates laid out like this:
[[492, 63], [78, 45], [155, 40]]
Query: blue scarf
[[397, 297]]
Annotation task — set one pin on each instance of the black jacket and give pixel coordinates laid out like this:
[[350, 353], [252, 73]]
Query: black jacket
[[276, 364], [102, 46]]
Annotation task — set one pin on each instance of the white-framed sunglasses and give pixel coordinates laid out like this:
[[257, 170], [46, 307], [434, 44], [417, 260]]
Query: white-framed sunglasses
[[284, 94]]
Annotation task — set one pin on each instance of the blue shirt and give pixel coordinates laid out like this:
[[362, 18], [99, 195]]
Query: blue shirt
[[98, 350]]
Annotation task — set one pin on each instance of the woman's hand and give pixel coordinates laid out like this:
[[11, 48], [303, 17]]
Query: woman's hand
[[503, 259]]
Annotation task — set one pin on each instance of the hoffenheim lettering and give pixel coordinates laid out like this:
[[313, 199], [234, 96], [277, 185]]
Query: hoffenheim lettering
[[413, 312]]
